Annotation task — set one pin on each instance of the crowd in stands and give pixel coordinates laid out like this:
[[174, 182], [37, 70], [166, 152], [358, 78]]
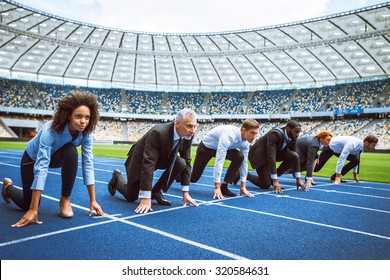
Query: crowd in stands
[[136, 129], [25, 94], [108, 130], [179, 100], [268, 102], [131, 131], [317, 97], [14, 93], [50, 94], [140, 102], [110, 100], [359, 95], [381, 129], [226, 103]]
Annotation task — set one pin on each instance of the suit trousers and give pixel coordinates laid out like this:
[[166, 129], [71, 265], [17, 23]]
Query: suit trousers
[[203, 156], [131, 190], [290, 159], [327, 153]]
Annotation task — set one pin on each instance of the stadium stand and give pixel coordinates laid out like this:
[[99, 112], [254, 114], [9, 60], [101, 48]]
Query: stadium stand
[[19, 94]]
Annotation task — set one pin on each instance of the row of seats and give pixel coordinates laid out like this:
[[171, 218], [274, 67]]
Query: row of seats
[[15, 93], [115, 130], [355, 127]]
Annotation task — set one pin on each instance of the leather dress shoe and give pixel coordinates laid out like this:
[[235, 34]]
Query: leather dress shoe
[[6, 183], [112, 182], [158, 196], [226, 191]]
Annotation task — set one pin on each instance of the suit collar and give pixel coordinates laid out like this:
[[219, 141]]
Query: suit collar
[[286, 138]]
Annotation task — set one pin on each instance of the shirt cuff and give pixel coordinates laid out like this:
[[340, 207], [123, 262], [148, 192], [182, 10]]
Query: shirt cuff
[[145, 194], [309, 178], [297, 174], [274, 176], [185, 188], [243, 180]]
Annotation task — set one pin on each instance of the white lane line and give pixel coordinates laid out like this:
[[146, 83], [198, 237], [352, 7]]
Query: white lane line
[[113, 218], [305, 221], [187, 241], [13, 242], [243, 209], [334, 203], [220, 203], [350, 193]]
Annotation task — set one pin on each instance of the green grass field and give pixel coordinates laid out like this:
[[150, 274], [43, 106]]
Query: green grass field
[[373, 167]]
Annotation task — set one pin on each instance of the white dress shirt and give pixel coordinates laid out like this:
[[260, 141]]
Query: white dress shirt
[[346, 145], [222, 139]]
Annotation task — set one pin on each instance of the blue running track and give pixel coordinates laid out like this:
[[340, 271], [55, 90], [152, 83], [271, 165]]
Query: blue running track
[[330, 222]]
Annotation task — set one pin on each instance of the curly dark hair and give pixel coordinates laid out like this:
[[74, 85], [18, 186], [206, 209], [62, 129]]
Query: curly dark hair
[[66, 106]]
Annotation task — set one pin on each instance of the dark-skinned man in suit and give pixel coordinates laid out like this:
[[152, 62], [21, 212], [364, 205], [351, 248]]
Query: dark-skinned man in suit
[[279, 144]]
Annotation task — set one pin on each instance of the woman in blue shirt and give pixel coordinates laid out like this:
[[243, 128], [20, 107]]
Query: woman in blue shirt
[[53, 147]]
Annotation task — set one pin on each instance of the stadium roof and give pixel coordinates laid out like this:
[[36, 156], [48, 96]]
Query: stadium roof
[[39, 46]]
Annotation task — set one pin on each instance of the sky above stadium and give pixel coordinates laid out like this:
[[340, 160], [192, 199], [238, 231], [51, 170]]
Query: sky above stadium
[[193, 16]]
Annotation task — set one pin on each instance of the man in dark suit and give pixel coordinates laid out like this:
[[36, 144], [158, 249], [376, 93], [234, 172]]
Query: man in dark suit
[[158, 149], [279, 144], [307, 149]]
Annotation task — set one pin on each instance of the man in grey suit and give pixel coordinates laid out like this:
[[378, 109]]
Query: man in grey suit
[[158, 149], [307, 149], [279, 144]]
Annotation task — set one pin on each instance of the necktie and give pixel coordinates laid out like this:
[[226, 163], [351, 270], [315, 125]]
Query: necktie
[[175, 150], [175, 144]]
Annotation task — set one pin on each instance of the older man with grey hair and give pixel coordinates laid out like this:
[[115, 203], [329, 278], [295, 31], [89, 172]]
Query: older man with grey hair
[[165, 146]]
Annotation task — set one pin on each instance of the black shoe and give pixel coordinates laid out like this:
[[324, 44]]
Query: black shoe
[[226, 191], [112, 182], [237, 178], [158, 196]]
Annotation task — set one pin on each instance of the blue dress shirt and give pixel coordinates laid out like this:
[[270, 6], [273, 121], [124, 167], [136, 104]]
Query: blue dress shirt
[[46, 143]]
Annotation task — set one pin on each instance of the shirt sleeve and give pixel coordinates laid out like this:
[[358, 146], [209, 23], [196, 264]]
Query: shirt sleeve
[[244, 166], [223, 145], [41, 165], [87, 161], [348, 148]]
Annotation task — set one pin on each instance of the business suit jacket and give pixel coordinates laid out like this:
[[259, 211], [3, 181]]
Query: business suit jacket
[[268, 147], [154, 151], [307, 149]]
